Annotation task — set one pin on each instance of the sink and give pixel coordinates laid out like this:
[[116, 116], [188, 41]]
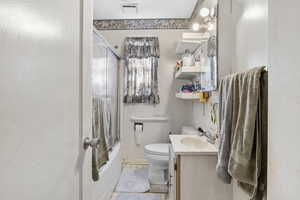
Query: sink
[[195, 143], [192, 145]]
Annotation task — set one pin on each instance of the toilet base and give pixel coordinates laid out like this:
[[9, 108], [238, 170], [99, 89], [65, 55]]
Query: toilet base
[[157, 175]]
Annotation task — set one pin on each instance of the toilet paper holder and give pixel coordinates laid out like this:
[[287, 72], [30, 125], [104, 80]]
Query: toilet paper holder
[[139, 124]]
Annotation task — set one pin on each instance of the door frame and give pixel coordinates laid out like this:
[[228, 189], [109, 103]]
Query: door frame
[[85, 58]]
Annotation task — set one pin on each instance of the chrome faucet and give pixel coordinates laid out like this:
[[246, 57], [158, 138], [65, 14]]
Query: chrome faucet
[[211, 138]]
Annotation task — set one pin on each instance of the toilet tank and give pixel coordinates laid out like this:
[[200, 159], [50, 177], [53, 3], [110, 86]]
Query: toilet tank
[[189, 130]]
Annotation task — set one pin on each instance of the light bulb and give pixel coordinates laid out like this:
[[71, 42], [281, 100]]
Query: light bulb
[[196, 27], [204, 12], [212, 12], [210, 26]]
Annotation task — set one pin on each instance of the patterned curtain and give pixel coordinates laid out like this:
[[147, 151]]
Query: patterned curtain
[[212, 56], [141, 63]]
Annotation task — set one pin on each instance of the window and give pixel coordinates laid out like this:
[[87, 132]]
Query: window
[[141, 63]]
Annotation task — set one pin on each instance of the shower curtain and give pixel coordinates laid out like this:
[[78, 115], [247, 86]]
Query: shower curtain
[[141, 63]]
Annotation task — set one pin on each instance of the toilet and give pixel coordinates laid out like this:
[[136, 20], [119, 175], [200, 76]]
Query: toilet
[[158, 157]]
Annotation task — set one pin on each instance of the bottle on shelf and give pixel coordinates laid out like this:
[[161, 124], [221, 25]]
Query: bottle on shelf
[[188, 59]]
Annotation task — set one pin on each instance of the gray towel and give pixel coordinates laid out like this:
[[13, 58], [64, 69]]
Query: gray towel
[[99, 154], [225, 128], [245, 155], [107, 122], [262, 181]]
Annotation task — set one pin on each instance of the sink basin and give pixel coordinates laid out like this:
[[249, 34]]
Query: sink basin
[[195, 143], [192, 145]]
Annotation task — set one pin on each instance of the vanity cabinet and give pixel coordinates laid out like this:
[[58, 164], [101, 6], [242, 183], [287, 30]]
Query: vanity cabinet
[[193, 177], [173, 176]]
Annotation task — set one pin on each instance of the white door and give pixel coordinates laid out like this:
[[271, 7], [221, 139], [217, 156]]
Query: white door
[[44, 55]]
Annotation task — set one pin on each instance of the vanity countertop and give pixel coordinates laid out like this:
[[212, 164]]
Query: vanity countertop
[[192, 145]]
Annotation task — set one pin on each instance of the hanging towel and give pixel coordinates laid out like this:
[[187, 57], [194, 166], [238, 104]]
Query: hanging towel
[[107, 122], [262, 180], [225, 128], [245, 155], [99, 154]]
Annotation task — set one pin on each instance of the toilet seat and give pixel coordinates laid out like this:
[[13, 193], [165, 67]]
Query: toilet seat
[[161, 149]]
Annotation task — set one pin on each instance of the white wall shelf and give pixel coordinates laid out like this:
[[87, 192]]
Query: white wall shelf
[[190, 73], [191, 45], [187, 96], [149, 119]]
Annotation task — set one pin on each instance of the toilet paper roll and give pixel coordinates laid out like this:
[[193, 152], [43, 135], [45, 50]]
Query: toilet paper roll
[[138, 133]]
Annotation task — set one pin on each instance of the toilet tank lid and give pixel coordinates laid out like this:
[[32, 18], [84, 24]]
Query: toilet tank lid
[[189, 130], [157, 149]]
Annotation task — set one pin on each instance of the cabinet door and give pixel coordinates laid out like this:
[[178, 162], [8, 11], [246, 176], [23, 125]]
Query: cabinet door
[[172, 175]]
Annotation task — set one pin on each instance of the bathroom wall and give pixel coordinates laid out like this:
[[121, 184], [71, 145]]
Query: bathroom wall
[[250, 32], [179, 111], [284, 100]]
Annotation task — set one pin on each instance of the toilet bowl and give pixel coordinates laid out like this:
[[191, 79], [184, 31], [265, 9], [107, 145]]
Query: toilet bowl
[[158, 158]]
